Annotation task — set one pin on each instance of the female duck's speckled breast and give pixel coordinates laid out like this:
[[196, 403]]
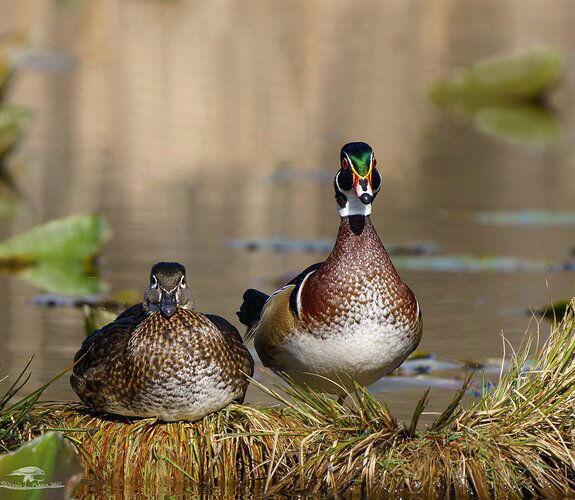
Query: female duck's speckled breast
[[182, 368]]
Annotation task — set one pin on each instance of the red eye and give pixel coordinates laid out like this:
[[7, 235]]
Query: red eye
[[374, 163], [344, 163]]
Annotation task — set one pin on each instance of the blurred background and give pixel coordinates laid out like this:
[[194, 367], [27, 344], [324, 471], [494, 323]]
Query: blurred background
[[209, 133]]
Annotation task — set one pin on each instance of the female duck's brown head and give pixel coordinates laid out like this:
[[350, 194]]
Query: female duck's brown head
[[358, 181], [167, 290]]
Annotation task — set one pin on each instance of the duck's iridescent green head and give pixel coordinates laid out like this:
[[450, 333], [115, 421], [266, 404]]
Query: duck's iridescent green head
[[358, 181], [167, 290]]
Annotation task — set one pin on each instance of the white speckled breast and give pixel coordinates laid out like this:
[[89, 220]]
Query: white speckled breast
[[364, 345], [355, 317]]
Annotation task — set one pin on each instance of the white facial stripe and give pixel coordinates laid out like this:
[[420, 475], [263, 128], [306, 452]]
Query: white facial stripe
[[348, 160]]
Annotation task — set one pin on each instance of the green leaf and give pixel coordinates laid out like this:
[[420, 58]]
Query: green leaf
[[75, 238], [96, 318], [554, 312], [63, 276], [46, 466], [502, 79], [13, 121], [9, 199], [526, 218], [6, 71], [477, 263], [520, 123]]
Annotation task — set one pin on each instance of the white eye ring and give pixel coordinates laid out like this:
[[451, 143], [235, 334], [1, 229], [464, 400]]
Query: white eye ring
[[183, 282], [154, 282]]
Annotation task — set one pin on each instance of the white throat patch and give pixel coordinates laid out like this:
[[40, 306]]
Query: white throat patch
[[353, 206]]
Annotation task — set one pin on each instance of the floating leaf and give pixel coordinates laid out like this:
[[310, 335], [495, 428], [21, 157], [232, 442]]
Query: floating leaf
[[502, 79], [393, 383], [96, 318], [9, 199], [6, 72], [477, 263], [75, 238], [48, 463], [523, 124], [63, 276], [526, 217], [12, 45], [13, 121], [425, 365], [57, 256], [280, 245], [504, 95], [555, 311]]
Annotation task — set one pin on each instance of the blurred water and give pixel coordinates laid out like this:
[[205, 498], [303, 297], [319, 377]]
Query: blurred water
[[190, 124]]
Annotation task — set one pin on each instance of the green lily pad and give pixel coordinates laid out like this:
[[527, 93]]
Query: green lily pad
[[504, 95], [58, 256], [503, 79], [13, 122], [96, 318], [6, 72], [282, 245], [47, 467], [73, 238], [478, 263], [63, 276], [520, 123], [526, 218], [9, 199], [555, 311]]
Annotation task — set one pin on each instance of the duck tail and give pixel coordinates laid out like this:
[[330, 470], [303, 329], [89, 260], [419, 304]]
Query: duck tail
[[251, 309]]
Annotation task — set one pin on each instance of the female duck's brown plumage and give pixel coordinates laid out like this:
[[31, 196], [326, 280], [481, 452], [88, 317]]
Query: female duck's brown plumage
[[163, 359], [350, 315]]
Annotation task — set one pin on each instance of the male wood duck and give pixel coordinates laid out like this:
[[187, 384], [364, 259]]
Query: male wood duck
[[350, 315], [161, 358]]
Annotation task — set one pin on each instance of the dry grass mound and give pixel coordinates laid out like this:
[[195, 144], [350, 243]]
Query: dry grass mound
[[516, 440]]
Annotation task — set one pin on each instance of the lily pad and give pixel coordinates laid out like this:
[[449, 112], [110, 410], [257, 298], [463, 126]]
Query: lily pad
[[522, 124], [47, 467], [13, 122], [502, 79], [6, 72], [555, 311], [73, 238], [527, 218], [478, 263], [505, 95], [63, 276], [281, 245], [58, 256], [96, 318], [9, 198]]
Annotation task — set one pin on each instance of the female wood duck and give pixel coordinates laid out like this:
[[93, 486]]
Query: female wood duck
[[161, 358], [350, 315]]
